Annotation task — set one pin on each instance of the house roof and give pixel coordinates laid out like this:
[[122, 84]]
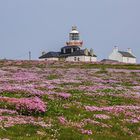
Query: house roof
[[109, 60], [50, 55], [126, 54], [80, 53], [64, 55], [69, 47]]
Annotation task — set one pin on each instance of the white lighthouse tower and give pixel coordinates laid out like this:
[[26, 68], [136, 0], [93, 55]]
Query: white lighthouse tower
[[74, 38]]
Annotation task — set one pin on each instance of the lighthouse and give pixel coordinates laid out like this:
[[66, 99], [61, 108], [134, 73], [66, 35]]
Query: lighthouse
[[72, 51], [74, 38]]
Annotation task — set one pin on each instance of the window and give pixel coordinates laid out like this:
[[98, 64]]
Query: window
[[62, 51], [74, 36], [127, 59], [68, 50], [74, 49]]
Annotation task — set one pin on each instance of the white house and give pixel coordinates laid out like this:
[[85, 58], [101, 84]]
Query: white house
[[123, 56]]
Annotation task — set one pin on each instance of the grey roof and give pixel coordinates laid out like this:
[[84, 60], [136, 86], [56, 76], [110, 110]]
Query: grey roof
[[64, 55], [126, 54], [50, 55], [67, 47], [80, 53], [109, 60]]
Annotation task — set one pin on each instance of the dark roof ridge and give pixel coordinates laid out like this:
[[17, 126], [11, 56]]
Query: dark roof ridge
[[81, 53], [50, 55], [126, 54]]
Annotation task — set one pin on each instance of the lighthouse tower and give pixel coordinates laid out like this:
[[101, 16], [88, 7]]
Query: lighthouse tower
[[74, 38]]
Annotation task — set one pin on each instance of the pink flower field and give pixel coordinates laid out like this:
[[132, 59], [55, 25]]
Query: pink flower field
[[69, 101]]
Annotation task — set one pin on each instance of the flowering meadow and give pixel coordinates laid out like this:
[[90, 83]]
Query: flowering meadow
[[42, 100]]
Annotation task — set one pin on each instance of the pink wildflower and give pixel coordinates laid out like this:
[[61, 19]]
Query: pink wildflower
[[62, 120], [88, 132]]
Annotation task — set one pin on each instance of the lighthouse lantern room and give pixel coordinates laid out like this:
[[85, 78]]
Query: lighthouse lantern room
[[74, 38]]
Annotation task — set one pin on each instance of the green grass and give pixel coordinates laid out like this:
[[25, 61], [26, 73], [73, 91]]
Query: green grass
[[71, 134], [15, 94], [23, 132], [52, 76]]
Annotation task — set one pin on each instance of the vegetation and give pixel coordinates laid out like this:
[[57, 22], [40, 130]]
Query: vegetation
[[65, 101]]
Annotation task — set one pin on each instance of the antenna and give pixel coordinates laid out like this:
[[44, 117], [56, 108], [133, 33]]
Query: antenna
[[29, 55]]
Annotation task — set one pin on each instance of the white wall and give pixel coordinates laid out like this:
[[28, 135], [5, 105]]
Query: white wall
[[116, 56], [81, 58], [49, 59], [93, 59], [87, 58], [129, 60], [75, 58], [125, 60], [133, 60], [52, 59]]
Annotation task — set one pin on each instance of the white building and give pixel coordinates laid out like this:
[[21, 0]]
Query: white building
[[50, 56], [83, 56], [123, 56], [72, 51]]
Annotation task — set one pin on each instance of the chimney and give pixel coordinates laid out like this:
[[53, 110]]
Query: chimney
[[116, 49], [43, 53], [129, 50], [91, 52], [86, 51]]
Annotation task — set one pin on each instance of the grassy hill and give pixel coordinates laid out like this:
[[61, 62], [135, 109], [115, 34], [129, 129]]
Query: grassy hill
[[69, 101]]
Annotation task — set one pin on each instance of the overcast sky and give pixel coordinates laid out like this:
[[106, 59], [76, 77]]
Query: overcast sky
[[43, 25]]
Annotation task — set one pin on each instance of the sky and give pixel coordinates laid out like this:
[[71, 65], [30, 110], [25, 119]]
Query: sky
[[44, 25]]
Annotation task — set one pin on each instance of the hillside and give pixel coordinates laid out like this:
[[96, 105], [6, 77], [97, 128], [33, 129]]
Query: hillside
[[65, 101]]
